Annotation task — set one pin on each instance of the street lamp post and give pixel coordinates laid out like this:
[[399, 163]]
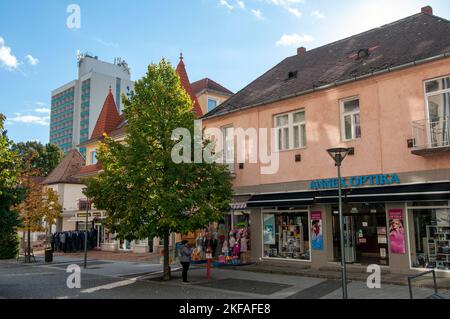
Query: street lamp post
[[338, 155], [86, 232]]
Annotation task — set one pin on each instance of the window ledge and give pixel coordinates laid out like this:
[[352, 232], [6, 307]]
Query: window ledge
[[292, 150], [426, 152]]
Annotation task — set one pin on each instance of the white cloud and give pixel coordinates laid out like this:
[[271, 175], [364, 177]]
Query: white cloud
[[226, 4], [257, 14], [42, 110], [107, 43], [241, 4], [295, 12], [41, 104], [294, 39], [363, 16], [30, 119], [317, 14], [285, 3], [7, 60], [32, 60]]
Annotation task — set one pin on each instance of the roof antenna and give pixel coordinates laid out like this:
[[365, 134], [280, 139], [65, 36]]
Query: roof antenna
[[181, 55]]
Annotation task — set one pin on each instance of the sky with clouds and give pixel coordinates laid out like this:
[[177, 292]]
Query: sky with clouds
[[230, 41]]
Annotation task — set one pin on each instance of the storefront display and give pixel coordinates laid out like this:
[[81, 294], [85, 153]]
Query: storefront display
[[432, 237], [286, 235], [228, 241]]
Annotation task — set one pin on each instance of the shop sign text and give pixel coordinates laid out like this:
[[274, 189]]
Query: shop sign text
[[356, 181]]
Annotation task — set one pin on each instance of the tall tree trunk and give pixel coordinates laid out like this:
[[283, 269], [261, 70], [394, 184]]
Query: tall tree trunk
[[28, 254], [166, 266]]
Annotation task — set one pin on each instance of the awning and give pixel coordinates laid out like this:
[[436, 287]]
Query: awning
[[238, 205], [281, 200], [400, 193]]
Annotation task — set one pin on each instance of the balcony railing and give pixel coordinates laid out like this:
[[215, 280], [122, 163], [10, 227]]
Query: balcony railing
[[431, 134]]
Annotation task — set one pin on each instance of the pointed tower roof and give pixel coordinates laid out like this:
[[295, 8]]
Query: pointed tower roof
[[109, 118], [181, 71], [65, 171]]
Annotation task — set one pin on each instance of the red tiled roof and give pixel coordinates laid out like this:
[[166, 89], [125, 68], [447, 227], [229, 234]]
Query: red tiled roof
[[109, 118], [89, 170], [208, 84], [184, 79]]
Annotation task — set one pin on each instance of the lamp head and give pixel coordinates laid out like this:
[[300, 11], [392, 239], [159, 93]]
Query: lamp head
[[338, 154]]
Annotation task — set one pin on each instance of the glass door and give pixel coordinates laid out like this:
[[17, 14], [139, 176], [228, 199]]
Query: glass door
[[350, 239]]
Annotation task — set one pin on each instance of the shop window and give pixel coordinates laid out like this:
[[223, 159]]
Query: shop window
[[286, 235], [431, 238]]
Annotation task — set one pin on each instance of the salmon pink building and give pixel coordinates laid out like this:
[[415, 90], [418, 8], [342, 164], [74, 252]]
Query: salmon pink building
[[385, 94]]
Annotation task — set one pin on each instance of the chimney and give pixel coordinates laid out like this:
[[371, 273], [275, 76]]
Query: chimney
[[427, 10], [301, 51]]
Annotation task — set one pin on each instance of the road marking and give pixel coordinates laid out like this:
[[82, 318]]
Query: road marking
[[110, 286], [28, 274]]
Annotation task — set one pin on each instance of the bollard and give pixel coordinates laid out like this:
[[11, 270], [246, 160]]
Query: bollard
[[208, 269], [208, 264]]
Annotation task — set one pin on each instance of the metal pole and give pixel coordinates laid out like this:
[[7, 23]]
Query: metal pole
[[341, 226], [86, 234]]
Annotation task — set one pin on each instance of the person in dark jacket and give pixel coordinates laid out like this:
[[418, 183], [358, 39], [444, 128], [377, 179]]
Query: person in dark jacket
[[185, 258]]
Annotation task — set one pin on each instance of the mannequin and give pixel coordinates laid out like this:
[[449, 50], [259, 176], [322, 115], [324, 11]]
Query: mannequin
[[232, 243], [243, 244], [225, 248], [199, 242]]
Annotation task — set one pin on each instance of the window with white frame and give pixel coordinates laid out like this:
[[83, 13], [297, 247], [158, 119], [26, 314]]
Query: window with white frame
[[212, 103], [350, 119], [228, 147], [290, 130], [437, 93], [94, 157]]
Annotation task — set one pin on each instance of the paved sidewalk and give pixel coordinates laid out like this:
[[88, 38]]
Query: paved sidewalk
[[333, 272], [276, 286], [106, 255]]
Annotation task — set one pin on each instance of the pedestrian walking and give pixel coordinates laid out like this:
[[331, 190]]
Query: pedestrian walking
[[185, 258]]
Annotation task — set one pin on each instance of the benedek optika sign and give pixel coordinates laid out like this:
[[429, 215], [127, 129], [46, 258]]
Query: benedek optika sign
[[356, 181]]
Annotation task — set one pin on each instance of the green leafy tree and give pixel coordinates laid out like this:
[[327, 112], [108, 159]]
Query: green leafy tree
[[37, 159], [10, 195], [145, 193]]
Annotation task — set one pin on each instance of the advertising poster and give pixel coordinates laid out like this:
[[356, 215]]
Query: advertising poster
[[396, 231], [269, 229], [316, 231]]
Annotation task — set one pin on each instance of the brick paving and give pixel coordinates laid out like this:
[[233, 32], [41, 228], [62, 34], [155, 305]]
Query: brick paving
[[107, 255]]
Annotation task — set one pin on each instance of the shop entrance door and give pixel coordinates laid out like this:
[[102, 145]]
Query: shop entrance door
[[349, 239], [365, 237]]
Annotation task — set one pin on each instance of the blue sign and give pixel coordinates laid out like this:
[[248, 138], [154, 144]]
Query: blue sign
[[356, 181]]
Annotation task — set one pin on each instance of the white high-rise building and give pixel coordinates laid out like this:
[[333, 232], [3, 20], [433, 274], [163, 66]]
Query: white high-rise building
[[77, 104]]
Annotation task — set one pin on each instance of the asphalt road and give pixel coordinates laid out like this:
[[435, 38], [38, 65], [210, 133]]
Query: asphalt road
[[121, 280], [19, 281]]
